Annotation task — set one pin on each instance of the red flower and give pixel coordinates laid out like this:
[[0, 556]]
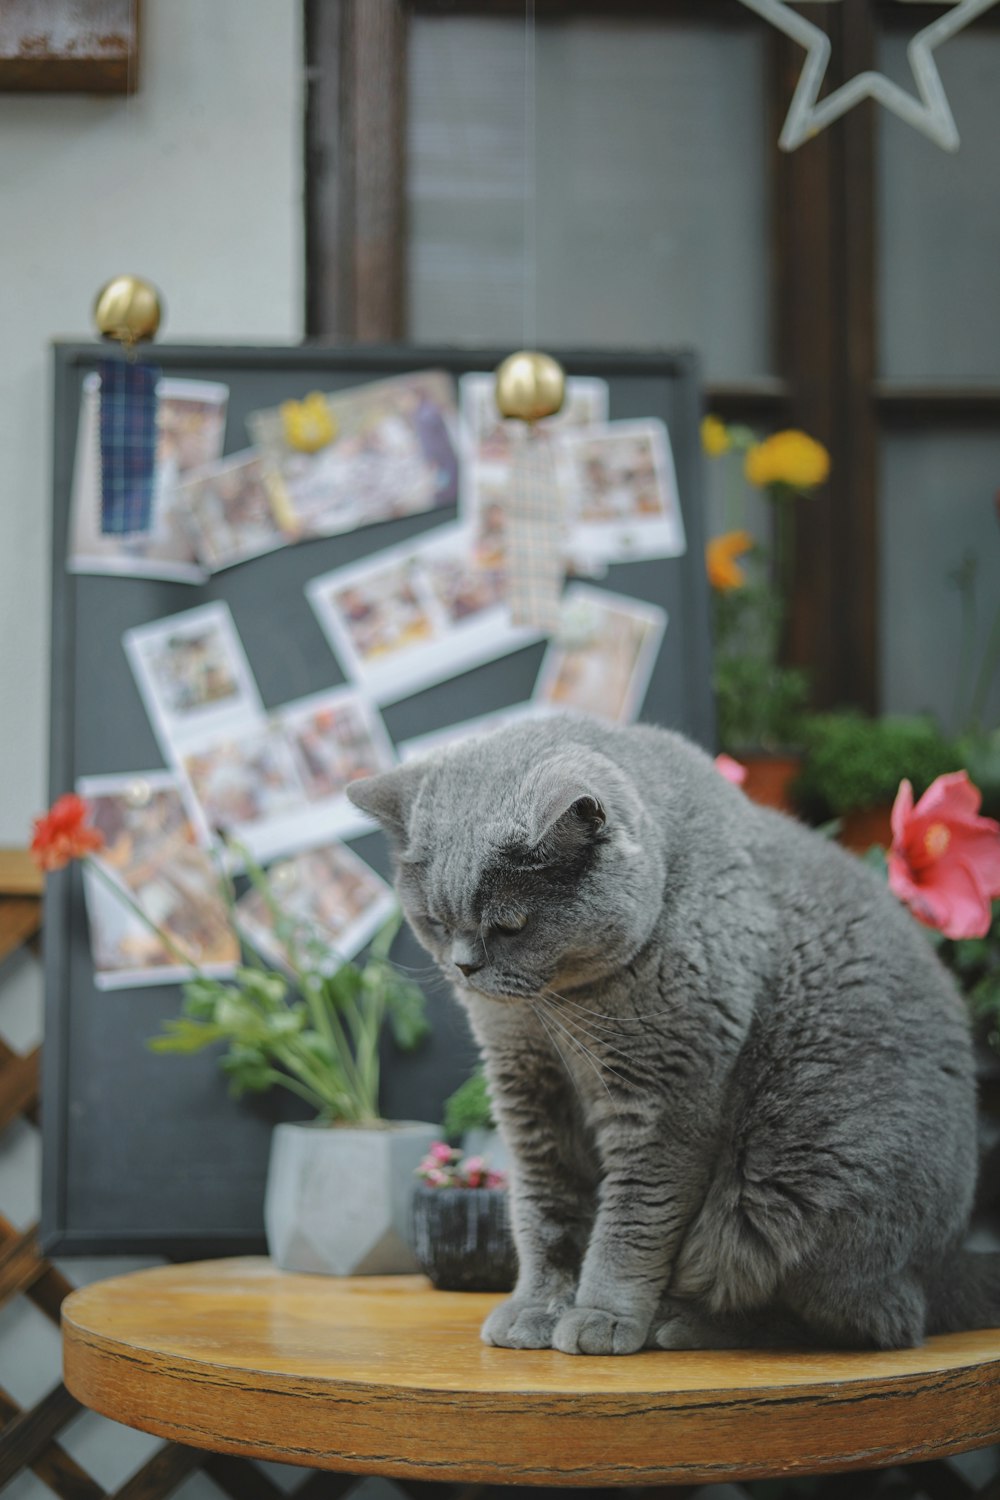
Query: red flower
[[945, 860], [63, 834]]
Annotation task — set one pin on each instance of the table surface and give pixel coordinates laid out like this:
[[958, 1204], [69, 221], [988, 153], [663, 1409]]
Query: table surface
[[384, 1375]]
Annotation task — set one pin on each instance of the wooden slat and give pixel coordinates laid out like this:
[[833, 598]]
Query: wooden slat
[[8, 1056], [54, 1467], [19, 875], [905, 405], [19, 1084], [48, 1291], [241, 1479], [26, 1438], [21, 1264], [168, 1467], [20, 919]]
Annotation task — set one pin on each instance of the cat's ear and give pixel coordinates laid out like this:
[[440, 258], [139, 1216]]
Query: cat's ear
[[388, 797], [567, 817]]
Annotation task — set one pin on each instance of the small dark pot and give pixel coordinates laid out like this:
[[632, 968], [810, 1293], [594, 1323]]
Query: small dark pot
[[462, 1238]]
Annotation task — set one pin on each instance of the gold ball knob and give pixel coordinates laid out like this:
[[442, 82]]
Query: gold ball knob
[[530, 386], [128, 309]]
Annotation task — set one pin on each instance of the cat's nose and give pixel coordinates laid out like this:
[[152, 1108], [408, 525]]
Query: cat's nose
[[468, 969]]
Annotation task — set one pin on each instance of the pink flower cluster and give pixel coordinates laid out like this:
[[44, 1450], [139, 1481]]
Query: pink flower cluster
[[444, 1166]]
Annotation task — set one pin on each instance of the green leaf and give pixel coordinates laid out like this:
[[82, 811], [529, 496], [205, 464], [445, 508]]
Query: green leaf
[[406, 1007], [183, 1035]]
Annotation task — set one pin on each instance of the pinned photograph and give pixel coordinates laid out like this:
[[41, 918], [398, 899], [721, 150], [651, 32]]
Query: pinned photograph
[[489, 445], [370, 453], [282, 787], [416, 614], [191, 422], [621, 493], [604, 656], [331, 905], [152, 854], [194, 677], [235, 509]]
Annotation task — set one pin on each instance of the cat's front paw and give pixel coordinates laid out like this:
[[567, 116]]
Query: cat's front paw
[[520, 1325], [591, 1330]]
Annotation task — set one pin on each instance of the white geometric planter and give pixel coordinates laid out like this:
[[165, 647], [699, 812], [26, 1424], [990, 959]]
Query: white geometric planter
[[338, 1197]]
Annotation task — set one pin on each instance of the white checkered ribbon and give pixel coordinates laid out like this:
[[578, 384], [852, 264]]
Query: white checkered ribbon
[[535, 533]]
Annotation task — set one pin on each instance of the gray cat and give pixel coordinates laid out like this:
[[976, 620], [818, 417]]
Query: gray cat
[[736, 1084]]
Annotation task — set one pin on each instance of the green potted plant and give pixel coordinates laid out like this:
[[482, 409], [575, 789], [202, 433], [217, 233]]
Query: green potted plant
[[338, 1185], [468, 1120], [759, 698], [460, 1223], [852, 766]]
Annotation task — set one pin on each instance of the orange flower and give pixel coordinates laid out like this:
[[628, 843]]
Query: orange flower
[[724, 573], [64, 834], [792, 458]]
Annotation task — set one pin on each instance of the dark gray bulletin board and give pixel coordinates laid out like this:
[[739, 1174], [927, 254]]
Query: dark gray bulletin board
[[146, 1153]]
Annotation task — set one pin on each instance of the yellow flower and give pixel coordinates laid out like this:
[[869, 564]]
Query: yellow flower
[[791, 458], [309, 425], [715, 437], [724, 573]]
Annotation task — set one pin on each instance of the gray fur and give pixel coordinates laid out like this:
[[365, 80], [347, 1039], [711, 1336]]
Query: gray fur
[[736, 1083]]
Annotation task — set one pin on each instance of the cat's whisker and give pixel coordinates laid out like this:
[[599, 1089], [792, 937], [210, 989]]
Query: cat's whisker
[[599, 1065], [595, 1036], [562, 1056]]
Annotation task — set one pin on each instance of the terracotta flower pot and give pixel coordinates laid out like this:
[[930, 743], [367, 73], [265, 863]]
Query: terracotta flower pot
[[770, 778], [865, 826], [462, 1238]]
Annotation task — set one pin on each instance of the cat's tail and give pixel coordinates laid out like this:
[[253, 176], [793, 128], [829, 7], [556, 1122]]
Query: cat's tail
[[965, 1293]]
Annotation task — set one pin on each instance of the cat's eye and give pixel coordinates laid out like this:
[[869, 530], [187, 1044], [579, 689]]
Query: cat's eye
[[511, 924]]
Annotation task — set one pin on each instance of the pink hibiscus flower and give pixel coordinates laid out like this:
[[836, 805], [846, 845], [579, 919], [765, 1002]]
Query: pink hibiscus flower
[[730, 769], [945, 860]]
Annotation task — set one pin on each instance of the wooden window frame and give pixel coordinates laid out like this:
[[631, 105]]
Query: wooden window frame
[[823, 259]]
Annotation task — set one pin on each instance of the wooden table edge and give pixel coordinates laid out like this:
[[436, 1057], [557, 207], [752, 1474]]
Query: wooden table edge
[[150, 1390]]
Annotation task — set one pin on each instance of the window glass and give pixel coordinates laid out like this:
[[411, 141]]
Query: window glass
[[939, 222], [939, 507], [651, 163]]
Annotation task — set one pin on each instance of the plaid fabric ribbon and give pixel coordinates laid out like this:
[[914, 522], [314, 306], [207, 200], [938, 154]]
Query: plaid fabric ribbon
[[534, 534], [128, 445]]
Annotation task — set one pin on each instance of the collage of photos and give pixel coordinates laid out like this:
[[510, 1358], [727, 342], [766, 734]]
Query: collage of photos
[[154, 855], [191, 422], [333, 902], [400, 620], [416, 614], [393, 451]]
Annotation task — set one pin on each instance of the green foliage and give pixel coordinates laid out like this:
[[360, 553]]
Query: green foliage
[[975, 963], [316, 1034], [469, 1107], [854, 762], [758, 701]]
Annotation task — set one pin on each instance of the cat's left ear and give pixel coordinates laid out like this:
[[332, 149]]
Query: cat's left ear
[[388, 797], [568, 816]]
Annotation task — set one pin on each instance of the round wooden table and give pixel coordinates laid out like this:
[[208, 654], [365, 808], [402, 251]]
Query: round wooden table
[[383, 1375]]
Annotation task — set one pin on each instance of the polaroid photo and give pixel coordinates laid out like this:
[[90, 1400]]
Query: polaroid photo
[[234, 510], [333, 901], [194, 677], [621, 493], [394, 453], [282, 788], [416, 614], [192, 422], [153, 856], [604, 658], [488, 448], [244, 783], [469, 729]]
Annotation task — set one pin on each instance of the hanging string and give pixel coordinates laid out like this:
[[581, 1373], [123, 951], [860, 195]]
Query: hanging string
[[530, 184]]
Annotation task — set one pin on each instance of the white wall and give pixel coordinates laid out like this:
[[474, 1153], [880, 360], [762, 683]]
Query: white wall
[[194, 182]]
